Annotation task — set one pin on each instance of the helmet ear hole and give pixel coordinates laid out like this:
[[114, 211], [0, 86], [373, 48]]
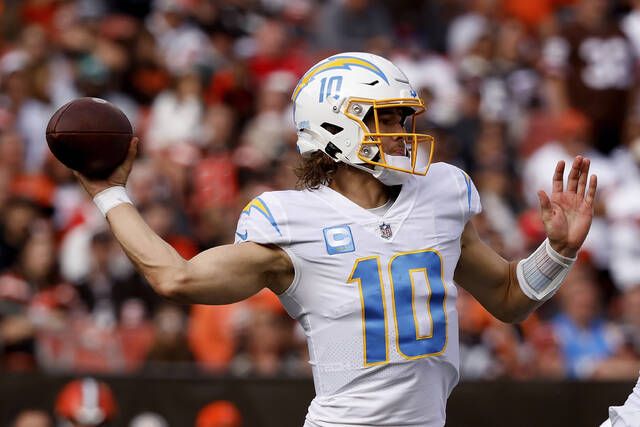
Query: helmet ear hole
[[332, 150], [331, 128]]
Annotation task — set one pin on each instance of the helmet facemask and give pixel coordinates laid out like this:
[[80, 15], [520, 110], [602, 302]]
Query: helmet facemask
[[391, 169]]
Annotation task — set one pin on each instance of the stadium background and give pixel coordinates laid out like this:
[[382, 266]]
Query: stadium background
[[512, 86]]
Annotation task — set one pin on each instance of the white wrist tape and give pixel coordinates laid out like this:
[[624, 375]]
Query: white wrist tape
[[110, 198], [541, 275]]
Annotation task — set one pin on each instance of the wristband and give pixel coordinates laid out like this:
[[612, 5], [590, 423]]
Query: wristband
[[110, 198], [541, 275]]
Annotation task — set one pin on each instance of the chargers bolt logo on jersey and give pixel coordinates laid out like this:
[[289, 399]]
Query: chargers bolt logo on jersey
[[259, 205], [338, 240]]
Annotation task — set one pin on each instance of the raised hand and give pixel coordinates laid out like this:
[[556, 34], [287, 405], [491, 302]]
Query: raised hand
[[118, 177], [568, 212]]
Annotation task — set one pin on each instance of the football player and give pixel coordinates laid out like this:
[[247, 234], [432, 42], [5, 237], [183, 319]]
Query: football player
[[366, 255]]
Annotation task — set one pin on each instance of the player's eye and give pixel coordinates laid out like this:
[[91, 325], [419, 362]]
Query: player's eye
[[390, 120]]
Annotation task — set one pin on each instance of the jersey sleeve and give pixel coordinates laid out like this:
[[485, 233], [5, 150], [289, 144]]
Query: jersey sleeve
[[263, 220], [471, 198]]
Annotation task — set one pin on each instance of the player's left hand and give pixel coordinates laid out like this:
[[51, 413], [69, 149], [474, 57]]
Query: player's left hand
[[568, 212]]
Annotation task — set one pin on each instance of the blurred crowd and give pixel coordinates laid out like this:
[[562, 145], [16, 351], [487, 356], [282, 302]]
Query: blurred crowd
[[512, 86]]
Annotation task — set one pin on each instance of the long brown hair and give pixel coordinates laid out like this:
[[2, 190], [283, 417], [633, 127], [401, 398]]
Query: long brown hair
[[315, 170]]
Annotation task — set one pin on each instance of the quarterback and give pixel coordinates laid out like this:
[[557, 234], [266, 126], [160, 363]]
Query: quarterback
[[367, 254]]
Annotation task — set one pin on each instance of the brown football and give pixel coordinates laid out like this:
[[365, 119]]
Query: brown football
[[89, 135]]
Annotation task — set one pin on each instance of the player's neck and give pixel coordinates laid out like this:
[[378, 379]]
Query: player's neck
[[360, 187]]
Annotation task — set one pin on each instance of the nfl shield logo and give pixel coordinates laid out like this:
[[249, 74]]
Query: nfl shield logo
[[385, 231]]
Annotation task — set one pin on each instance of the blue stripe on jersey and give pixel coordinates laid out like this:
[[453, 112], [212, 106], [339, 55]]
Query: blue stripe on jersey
[[467, 180]]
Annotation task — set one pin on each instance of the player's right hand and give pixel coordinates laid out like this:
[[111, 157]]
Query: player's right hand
[[118, 177]]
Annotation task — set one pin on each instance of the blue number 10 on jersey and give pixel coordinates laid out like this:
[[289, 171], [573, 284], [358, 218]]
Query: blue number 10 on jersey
[[367, 272]]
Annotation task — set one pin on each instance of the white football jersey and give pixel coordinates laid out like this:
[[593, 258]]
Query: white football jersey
[[374, 294]]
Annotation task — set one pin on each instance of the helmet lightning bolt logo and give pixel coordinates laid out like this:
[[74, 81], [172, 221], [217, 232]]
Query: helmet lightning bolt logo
[[333, 63]]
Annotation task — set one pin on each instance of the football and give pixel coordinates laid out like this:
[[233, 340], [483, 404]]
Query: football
[[89, 135]]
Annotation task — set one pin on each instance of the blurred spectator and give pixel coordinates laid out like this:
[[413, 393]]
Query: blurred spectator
[[91, 344], [623, 213], [494, 187], [215, 176], [135, 333], [591, 67], [32, 108], [176, 115], [271, 51], [510, 85], [630, 301], [492, 349], [548, 359], [219, 413], [585, 337], [212, 336], [511, 357], [532, 14], [146, 184], [147, 77], [215, 226], [16, 330], [630, 25], [4, 188], [476, 360], [166, 221], [34, 274], [220, 124], [174, 132], [434, 78], [170, 348], [469, 27], [184, 46], [233, 86], [32, 418], [75, 246], [111, 281], [266, 134], [265, 342], [18, 216], [12, 153], [350, 25]]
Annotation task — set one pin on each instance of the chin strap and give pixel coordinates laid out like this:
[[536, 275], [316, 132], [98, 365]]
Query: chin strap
[[390, 176]]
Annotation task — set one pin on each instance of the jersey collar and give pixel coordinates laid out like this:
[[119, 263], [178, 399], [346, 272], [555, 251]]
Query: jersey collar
[[396, 214]]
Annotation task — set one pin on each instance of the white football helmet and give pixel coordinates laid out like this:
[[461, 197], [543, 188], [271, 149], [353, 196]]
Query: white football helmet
[[331, 101]]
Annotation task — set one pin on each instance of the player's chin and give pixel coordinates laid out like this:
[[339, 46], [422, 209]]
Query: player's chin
[[400, 152]]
